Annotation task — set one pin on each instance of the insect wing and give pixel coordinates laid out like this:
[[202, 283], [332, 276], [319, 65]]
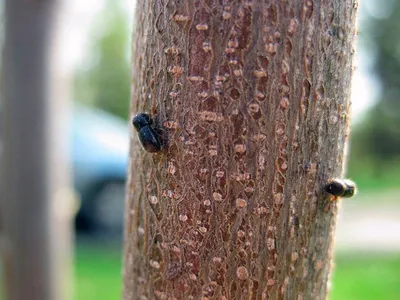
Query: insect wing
[[149, 139]]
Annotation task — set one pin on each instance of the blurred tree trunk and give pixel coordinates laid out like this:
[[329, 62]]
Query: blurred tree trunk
[[36, 228], [253, 99]]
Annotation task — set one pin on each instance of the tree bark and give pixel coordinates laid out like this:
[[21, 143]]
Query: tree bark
[[36, 231], [252, 99]]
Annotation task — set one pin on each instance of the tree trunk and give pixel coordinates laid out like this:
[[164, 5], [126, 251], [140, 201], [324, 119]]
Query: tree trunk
[[253, 101], [35, 204]]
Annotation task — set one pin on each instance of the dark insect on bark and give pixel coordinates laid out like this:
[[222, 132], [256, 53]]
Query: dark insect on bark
[[147, 136], [341, 188]]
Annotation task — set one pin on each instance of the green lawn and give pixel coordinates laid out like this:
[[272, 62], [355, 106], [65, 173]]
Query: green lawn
[[364, 277], [368, 178], [97, 273], [356, 277]]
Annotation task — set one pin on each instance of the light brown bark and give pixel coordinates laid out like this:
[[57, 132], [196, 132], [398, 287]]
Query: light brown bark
[[253, 99]]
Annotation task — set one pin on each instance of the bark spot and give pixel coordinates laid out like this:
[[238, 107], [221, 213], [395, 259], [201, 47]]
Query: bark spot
[[171, 124], [271, 282], [294, 256], [241, 203], [154, 264], [153, 200], [242, 273], [260, 95], [278, 199], [226, 15], [238, 72], [254, 110], [284, 103], [195, 78], [202, 27], [271, 48], [333, 118], [202, 94], [207, 202], [260, 73], [235, 94], [292, 27], [307, 10], [180, 18], [217, 197], [171, 168], [176, 71], [183, 217], [207, 47], [259, 137], [240, 148], [210, 116], [192, 277], [202, 229], [220, 174]]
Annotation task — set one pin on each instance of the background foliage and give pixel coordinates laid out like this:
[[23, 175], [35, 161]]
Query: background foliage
[[103, 80], [375, 140]]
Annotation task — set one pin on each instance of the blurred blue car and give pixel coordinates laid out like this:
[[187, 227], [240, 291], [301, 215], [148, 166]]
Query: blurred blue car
[[100, 146]]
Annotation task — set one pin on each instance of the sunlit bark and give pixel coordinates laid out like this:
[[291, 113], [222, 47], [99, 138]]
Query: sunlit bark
[[252, 99]]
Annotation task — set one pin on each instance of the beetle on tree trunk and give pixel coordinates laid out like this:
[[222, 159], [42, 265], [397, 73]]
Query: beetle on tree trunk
[[253, 99]]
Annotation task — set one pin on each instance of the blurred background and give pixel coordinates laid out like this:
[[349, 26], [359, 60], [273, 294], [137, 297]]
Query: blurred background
[[95, 51]]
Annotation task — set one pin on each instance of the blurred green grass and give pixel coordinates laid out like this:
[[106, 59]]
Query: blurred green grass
[[97, 273], [366, 276], [370, 178], [356, 276]]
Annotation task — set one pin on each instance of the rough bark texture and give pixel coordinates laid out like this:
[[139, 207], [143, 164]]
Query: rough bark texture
[[253, 99]]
